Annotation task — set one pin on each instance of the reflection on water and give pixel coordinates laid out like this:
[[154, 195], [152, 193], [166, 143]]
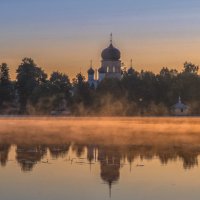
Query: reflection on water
[[114, 157], [4, 150], [110, 158]]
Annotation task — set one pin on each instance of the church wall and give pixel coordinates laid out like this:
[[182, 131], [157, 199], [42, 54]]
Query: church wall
[[181, 112], [90, 77], [113, 75], [112, 66], [101, 76]]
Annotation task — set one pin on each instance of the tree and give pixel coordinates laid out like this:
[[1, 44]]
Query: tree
[[130, 83], [190, 68], [188, 83], [166, 80], [79, 81], [61, 82], [53, 95], [6, 87], [29, 76], [82, 94], [4, 74], [147, 87], [110, 86]]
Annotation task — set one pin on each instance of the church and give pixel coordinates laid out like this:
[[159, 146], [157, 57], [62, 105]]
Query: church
[[110, 66]]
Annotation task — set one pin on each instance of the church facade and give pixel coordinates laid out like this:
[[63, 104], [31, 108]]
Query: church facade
[[111, 66]]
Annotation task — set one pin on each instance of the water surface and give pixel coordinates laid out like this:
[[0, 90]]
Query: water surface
[[99, 158]]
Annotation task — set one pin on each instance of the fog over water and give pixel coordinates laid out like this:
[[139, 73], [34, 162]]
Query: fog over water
[[99, 158], [159, 131]]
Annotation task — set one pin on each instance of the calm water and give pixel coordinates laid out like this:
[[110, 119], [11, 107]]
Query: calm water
[[99, 158]]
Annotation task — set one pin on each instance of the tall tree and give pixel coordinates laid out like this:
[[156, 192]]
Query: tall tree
[[53, 95], [190, 68], [82, 91], [4, 74], [166, 80], [29, 76], [61, 82], [6, 89]]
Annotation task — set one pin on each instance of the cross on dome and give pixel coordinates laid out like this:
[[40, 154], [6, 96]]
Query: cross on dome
[[111, 38], [131, 63]]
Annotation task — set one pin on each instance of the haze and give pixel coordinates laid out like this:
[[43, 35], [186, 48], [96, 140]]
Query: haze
[[108, 131]]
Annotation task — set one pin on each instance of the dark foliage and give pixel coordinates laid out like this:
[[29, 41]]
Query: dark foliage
[[6, 86], [135, 94], [29, 76]]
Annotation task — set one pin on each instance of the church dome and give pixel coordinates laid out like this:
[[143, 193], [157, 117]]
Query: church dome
[[130, 70], [91, 71], [102, 70], [111, 53]]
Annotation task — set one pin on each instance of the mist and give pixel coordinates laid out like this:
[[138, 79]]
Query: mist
[[108, 131]]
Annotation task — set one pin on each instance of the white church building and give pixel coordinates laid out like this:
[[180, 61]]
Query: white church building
[[180, 109]]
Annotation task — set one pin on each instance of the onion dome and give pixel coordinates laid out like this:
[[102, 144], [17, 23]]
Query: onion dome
[[130, 70], [102, 70], [111, 53], [91, 71]]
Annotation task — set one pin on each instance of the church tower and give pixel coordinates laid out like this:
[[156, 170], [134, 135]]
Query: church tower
[[110, 66], [131, 70], [91, 74], [111, 63]]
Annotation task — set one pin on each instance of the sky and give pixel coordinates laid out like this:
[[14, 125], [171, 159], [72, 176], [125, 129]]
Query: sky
[[65, 35]]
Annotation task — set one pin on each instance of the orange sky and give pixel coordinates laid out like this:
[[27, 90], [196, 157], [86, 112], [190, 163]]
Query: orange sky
[[70, 58], [66, 35]]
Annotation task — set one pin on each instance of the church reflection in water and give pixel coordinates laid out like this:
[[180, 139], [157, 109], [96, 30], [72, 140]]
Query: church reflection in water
[[110, 158]]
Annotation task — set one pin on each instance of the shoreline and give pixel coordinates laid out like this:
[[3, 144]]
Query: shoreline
[[91, 117]]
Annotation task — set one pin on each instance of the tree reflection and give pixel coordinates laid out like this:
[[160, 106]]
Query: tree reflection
[[57, 151], [79, 149], [4, 150], [110, 157]]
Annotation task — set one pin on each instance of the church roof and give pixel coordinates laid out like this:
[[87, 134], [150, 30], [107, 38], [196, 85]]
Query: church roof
[[130, 70], [111, 53], [101, 70], [180, 105], [91, 71]]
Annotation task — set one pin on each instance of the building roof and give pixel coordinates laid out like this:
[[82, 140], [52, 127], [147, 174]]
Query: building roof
[[180, 105], [130, 70], [111, 53], [101, 70], [91, 71]]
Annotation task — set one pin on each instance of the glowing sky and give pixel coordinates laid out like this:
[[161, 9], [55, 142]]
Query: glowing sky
[[65, 35]]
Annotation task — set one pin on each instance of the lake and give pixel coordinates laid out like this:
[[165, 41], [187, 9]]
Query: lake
[[44, 158]]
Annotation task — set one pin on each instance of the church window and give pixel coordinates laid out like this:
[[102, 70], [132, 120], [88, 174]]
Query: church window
[[114, 69], [107, 69]]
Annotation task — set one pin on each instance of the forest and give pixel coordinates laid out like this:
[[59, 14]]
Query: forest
[[136, 93]]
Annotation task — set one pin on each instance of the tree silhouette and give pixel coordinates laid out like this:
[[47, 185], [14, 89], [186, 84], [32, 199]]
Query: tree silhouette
[[135, 93], [29, 76], [6, 87]]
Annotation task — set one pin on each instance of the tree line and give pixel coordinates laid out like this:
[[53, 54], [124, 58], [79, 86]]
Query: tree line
[[137, 93]]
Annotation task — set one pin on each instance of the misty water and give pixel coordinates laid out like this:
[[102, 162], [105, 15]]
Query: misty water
[[99, 158]]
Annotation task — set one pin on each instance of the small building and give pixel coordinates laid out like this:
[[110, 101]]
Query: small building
[[180, 109]]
